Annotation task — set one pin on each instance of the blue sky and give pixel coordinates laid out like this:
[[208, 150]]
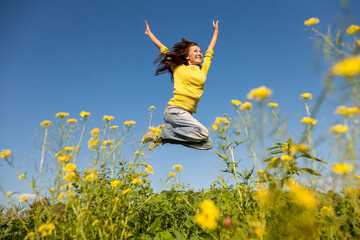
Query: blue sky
[[70, 56]]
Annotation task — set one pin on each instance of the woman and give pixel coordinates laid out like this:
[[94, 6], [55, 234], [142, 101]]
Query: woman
[[183, 63]]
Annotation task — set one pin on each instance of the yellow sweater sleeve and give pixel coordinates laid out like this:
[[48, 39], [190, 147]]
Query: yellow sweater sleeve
[[207, 61]]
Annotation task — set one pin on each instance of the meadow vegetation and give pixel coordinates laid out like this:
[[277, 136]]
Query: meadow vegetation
[[279, 198]]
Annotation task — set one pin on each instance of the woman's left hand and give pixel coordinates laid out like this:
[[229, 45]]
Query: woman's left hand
[[216, 26]]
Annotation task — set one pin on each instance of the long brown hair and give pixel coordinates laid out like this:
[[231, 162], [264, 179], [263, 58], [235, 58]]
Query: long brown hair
[[176, 57]]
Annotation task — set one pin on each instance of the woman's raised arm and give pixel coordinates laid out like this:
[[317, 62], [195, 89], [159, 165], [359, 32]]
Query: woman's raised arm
[[214, 38], [152, 37]]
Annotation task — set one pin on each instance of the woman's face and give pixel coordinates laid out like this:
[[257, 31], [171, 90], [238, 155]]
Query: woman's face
[[195, 55]]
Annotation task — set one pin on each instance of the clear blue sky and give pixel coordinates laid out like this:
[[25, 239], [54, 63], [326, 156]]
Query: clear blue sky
[[69, 56]]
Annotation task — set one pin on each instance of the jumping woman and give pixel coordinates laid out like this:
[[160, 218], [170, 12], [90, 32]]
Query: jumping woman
[[183, 62]]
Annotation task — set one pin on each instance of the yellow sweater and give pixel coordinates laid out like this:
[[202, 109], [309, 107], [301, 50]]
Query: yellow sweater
[[189, 82]]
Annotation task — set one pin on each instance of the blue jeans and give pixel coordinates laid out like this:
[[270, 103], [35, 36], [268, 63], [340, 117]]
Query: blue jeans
[[182, 128]]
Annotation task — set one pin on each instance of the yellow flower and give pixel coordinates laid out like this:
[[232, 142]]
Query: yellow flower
[[236, 102], [92, 176], [129, 123], [31, 235], [152, 107], [92, 144], [114, 183], [95, 132], [299, 148], [357, 177], [46, 229], [108, 142], [126, 191], [353, 29], [8, 193], [21, 176], [342, 168], [261, 171], [214, 126], [171, 174], [72, 120], [127, 234], [308, 120], [348, 67], [137, 152], [347, 112], [114, 127], [303, 198], [84, 114], [45, 123], [178, 167], [358, 42], [339, 129], [311, 21], [108, 118], [71, 177], [259, 93], [246, 105], [287, 157], [95, 222], [223, 185], [258, 228], [70, 167], [327, 211], [156, 131], [272, 105], [61, 114], [306, 96], [65, 158], [208, 215], [261, 195], [71, 193], [61, 196], [68, 149], [5, 153], [52, 190], [23, 198], [221, 120], [136, 180], [149, 171]]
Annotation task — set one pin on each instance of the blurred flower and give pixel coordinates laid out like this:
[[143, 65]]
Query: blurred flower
[[8, 193], [5, 153], [127, 234], [342, 168], [72, 120], [92, 176], [45, 123], [357, 177], [214, 126], [358, 42], [236, 102], [347, 112], [178, 167], [61, 196], [21, 176], [68, 149], [353, 29], [70, 167], [108, 118], [149, 171], [208, 215], [261, 195], [126, 191], [246, 105], [23, 198], [95, 222], [151, 107], [61, 114], [136, 180], [259, 93], [306, 96], [95, 131], [46, 229], [114, 183], [339, 129], [303, 198], [287, 157], [272, 105], [348, 67], [71, 177], [308, 120], [171, 174], [107, 142], [129, 123], [156, 131], [114, 127], [223, 185], [92, 144], [258, 228], [299, 148], [327, 211], [311, 21], [84, 114]]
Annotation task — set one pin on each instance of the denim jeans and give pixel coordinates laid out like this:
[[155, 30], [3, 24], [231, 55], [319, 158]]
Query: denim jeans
[[182, 128]]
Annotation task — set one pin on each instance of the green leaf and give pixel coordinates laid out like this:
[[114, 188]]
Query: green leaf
[[313, 172], [268, 159], [178, 236], [274, 164], [279, 145], [306, 155], [276, 152]]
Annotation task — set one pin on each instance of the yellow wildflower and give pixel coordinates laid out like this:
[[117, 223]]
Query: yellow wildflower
[[46, 229], [342, 168], [261, 195], [258, 228], [8, 193], [5, 153], [306, 96], [287, 157], [68, 149], [236, 102], [60, 153], [129, 123], [95, 132], [246, 105], [126, 191], [303, 198], [151, 107], [114, 183], [351, 191], [347, 112], [31, 235], [348, 67], [357, 177], [353, 29], [61, 196], [52, 190], [223, 185], [127, 234], [95, 222], [23, 198], [84, 114], [358, 42], [71, 177], [72, 120], [311, 21], [208, 215], [156, 131], [92, 144], [70, 167], [327, 211], [259, 93], [21, 176], [108, 118], [65, 158], [71, 193], [308, 120], [171, 174], [108, 142], [137, 152], [261, 171], [272, 105], [61, 114], [339, 129], [114, 127], [149, 171], [214, 126], [92, 176], [299, 148], [178, 167], [45, 123], [136, 180]]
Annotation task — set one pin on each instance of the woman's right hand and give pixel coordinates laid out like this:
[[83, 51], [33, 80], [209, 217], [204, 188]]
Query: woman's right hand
[[147, 31]]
